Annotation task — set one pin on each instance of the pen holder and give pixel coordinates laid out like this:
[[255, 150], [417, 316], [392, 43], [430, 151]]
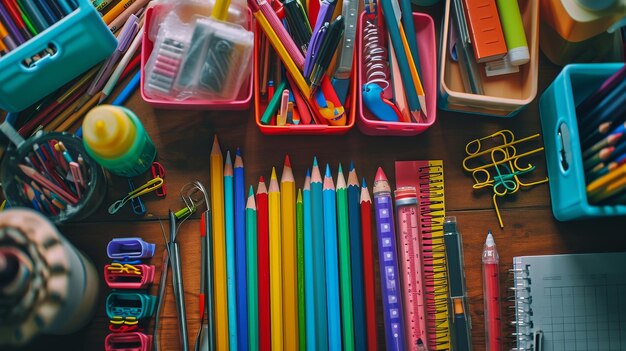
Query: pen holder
[[557, 107], [19, 189], [240, 102], [504, 95], [75, 43], [425, 34]]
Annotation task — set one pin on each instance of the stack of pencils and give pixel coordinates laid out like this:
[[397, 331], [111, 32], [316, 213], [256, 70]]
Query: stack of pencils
[[294, 266], [602, 126]]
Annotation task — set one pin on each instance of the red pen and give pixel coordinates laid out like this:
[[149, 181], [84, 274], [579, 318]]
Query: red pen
[[491, 291]]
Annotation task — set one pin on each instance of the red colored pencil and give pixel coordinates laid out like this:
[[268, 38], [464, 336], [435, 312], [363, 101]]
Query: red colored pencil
[[131, 66], [369, 272], [263, 261], [14, 12]]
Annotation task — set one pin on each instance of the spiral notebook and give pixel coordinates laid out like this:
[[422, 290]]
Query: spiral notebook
[[570, 302]]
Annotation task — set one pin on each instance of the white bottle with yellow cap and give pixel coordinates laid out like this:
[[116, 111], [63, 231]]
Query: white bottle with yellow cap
[[116, 139]]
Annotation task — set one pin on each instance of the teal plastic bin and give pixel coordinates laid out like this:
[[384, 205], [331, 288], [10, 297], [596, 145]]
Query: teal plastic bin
[[78, 42], [557, 107]]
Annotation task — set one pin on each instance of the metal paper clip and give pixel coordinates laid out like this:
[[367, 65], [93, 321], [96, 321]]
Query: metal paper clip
[[151, 185], [123, 341], [158, 171], [126, 249], [136, 203]]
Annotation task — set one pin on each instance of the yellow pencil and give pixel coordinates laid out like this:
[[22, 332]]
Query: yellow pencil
[[605, 180], [79, 114], [414, 75], [276, 275], [611, 189], [290, 278], [116, 11], [219, 247]]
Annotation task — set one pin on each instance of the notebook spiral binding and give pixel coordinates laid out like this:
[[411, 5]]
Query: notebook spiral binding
[[375, 55], [431, 207], [519, 311]]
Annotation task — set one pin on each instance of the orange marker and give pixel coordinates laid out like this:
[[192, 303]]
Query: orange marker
[[485, 30]]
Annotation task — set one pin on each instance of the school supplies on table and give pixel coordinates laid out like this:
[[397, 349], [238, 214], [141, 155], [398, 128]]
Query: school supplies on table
[[569, 301], [289, 255], [275, 263], [48, 286], [229, 230], [149, 186], [51, 173], [514, 35], [115, 137], [585, 146], [240, 250], [369, 279], [495, 164], [345, 269], [54, 48], [263, 266], [427, 177], [491, 296]]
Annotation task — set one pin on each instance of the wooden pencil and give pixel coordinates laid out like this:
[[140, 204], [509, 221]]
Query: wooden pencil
[[263, 266], [229, 230], [356, 259], [289, 264], [345, 276], [276, 271], [319, 257], [79, 114], [369, 270], [332, 264], [240, 252], [300, 259]]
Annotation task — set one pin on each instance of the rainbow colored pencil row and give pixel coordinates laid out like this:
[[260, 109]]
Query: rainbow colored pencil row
[[294, 267]]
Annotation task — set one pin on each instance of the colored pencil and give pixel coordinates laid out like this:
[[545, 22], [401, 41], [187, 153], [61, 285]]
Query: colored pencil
[[30, 11], [240, 252], [332, 264], [78, 114], [231, 275], [309, 265], [387, 258], [10, 26], [609, 140], [16, 16], [356, 258], [263, 267], [276, 270], [300, 254], [345, 276], [219, 246], [119, 69], [369, 271], [134, 8], [128, 90], [252, 272], [289, 264], [319, 257], [116, 10]]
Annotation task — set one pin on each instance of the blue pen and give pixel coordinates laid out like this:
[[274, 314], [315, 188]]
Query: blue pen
[[229, 225], [323, 16], [314, 48], [240, 253], [128, 90], [332, 262]]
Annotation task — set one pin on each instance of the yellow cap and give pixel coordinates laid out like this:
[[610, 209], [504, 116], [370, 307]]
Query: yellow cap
[[108, 131]]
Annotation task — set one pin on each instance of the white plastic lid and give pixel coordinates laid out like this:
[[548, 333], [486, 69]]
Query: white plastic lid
[[519, 56]]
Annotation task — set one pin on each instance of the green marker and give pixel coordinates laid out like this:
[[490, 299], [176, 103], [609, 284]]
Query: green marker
[[514, 34]]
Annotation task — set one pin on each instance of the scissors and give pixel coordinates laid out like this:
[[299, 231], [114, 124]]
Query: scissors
[[151, 185]]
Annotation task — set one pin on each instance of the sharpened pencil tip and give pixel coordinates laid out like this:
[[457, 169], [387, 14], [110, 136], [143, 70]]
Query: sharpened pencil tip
[[339, 169], [228, 160], [308, 172], [363, 183], [261, 180], [251, 192], [327, 173], [238, 152], [273, 173], [287, 161], [380, 175], [314, 161], [351, 165]]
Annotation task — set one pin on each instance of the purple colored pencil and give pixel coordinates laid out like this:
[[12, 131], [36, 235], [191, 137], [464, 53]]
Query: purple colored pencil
[[11, 27]]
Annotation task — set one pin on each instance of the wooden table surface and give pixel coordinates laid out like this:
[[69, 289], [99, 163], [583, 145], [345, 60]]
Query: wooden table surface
[[184, 138]]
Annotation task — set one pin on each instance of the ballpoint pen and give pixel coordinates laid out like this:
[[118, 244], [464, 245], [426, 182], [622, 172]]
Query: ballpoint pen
[[467, 61], [326, 53], [461, 323], [323, 16], [315, 48]]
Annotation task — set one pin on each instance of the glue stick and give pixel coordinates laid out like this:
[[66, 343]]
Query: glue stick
[[116, 139], [514, 35]]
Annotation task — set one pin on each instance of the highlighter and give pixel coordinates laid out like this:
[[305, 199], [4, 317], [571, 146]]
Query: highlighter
[[514, 34]]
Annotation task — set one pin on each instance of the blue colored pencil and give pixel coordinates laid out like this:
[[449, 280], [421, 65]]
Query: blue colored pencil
[[230, 252], [32, 13], [46, 12], [332, 262], [317, 230], [309, 269], [128, 90], [356, 257], [240, 252]]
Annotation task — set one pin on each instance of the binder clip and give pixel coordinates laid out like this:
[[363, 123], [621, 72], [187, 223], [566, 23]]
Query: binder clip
[[134, 341], [128, 276], [125, 304], [125, 249]]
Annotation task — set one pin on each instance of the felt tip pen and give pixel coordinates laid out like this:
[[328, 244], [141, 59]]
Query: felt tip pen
[[461, 323]]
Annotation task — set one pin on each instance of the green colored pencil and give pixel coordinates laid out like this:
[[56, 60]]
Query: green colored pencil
[[345, 278], [251, 272], [300, 266]]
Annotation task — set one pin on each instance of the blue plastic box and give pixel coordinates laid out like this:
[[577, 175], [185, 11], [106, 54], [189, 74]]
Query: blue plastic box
[[557, 107], [80, 40]]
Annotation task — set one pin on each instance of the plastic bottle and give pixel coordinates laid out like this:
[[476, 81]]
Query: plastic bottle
[[116, 139]]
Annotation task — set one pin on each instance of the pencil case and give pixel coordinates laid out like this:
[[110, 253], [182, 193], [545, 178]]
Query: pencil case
[[64, 50], [504, 95], [302, 129], [557, 107], [240, 102], [425, 34]]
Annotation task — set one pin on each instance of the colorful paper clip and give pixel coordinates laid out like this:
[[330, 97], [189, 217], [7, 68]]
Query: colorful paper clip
[[127, 304], [134, 341], [129, 321], [151, 185], [129, 248], [123, 328], [136, 203], [128, 276], [159, 172]]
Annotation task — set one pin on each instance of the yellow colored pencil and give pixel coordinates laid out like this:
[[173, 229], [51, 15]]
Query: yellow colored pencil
[[116, 10], [78, 114], [600, 183], [414, 75], [219, 247], [611, 189], [276, 272], [290, 277]]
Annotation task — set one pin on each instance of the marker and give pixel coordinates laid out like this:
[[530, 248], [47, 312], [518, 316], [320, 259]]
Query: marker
[[514, 35]]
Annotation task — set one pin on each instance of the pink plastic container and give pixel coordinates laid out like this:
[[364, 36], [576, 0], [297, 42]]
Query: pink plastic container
[[366, 121], [242, 102]]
